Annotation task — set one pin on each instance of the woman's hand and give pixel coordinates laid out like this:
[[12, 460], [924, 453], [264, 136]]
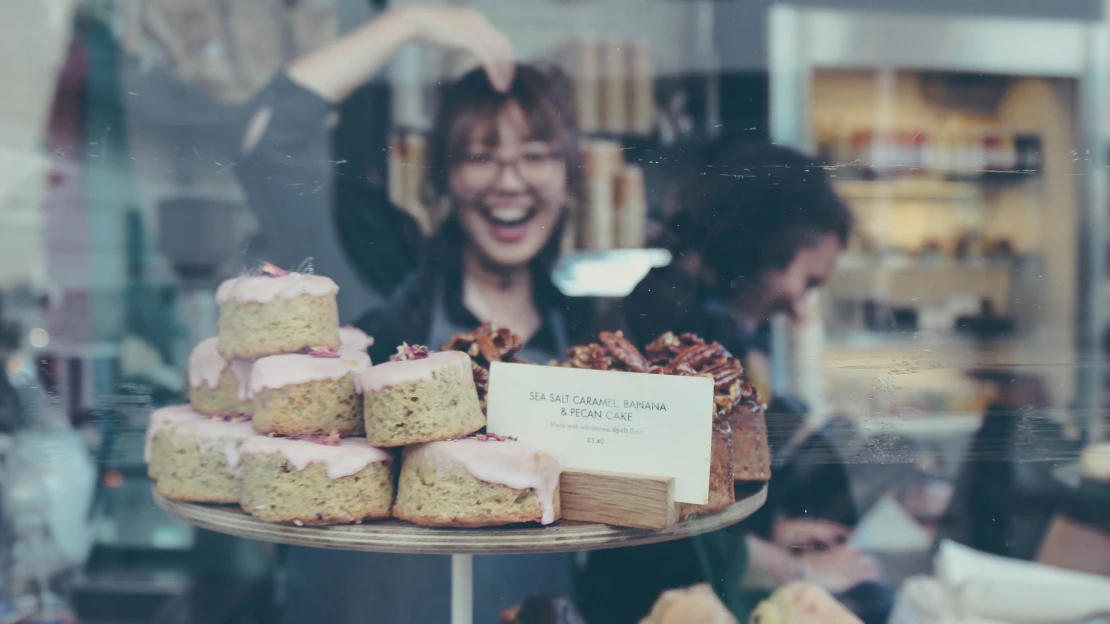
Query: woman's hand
[[841, 569], [465, 30], [337, 69], [804, 534], [826, 558]]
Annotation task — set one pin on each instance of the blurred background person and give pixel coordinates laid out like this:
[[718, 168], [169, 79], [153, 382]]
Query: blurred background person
[[752, 238]]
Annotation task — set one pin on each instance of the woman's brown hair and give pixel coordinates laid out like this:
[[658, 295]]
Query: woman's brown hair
[[471, 102]]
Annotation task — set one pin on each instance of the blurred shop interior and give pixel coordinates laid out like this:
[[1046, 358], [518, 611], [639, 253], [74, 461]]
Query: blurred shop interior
[[969, 139]]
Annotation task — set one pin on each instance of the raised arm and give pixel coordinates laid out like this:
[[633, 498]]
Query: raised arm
[[336, 70], [286, 165]]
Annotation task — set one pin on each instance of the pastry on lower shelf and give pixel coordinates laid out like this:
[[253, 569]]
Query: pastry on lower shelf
[[308, 394], [420, 397], [689, 605], [542, 610], [304, 482], [199, 460], [751, 454], [479, 481], [157, 434], [802, 603], [277, 312], [722, 492], [354, 339], [216, 385]]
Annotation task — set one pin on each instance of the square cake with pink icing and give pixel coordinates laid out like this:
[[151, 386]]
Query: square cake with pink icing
[[420, 396], [155, 448], [308, 394], [303, 482], [276, 312], [198, 460], [479, 481], [218, 386]]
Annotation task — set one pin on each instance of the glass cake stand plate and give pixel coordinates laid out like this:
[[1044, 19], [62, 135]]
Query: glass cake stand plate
[[395, 536]]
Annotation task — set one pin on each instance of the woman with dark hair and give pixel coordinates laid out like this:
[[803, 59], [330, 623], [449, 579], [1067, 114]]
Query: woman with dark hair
[[757, 229], [504, 161]]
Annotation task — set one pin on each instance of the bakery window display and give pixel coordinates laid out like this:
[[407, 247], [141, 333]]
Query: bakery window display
[[292, 422], [485, 480], [307, 482], [394, 451], [308, 394], [420, 396]]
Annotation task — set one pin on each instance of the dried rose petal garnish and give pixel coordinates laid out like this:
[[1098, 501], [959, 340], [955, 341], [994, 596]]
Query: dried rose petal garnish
[[331, 439], [486, 437], [231, 417], [321, 352], [270, 269], [410, 352]]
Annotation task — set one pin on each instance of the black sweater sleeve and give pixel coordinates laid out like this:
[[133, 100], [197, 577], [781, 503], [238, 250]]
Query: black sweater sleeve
[[305, 209]]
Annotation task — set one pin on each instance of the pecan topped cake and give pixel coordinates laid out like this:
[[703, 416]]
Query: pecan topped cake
[[485, 345], [735, 400], [739, 446], [688, 354]]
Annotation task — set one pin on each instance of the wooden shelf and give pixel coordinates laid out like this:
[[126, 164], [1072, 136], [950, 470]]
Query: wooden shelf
[[907, 190], [395, 536]]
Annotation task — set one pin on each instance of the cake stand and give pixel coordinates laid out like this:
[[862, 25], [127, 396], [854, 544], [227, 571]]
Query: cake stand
[[394, 536]]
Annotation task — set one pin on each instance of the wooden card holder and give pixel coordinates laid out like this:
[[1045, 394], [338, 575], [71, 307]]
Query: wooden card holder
[[618, 499]]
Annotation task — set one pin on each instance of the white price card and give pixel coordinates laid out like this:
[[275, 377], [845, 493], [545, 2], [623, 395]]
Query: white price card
[[636, 423]]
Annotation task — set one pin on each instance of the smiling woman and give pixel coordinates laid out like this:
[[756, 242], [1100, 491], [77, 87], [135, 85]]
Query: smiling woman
[[503, 159]]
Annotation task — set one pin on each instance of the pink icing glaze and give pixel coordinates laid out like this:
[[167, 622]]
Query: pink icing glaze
[[409, 371], [354, 338], [167, 417], [263, 289], [515, 464], [279, 371], [242, 371], [218, 435], [206, 366], [349, 457]]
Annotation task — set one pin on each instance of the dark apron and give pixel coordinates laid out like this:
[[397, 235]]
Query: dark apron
[[340, 587]]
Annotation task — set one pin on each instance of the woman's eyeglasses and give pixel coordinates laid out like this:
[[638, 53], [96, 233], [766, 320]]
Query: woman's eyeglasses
[[534, 168]]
